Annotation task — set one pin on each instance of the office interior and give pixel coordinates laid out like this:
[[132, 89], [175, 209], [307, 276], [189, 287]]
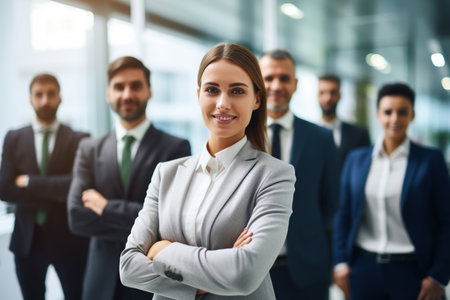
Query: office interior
[[367, 43]]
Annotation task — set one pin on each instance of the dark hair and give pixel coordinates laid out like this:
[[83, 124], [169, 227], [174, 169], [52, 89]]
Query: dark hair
[[127, 62], [331, 77], [44, 78], [279, 54], [242, 57], [396, 89]]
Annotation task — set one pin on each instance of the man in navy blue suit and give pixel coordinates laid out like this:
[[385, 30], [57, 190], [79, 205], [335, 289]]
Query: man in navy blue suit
[[346, 136], [303, 268]]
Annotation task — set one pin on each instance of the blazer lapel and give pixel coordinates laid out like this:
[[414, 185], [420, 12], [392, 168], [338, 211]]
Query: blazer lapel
[[410, 171], [58, 150], [298, 141], [29, 145], [108, 164], [181, 183], [237, 171], [362, 175]]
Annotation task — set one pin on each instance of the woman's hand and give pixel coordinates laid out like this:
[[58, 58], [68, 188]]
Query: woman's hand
[[157, 247], [243, 239], [342, 280]]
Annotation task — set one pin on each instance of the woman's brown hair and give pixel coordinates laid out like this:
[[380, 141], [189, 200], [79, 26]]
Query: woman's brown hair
[[242, 57]]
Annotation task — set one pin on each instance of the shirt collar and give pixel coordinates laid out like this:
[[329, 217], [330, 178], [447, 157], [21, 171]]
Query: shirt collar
[[402, 149], [223, 158], [286, 121], [137, 132], [37, 127]]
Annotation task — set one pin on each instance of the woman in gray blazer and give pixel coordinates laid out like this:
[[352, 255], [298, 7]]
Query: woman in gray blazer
[[213, 224]]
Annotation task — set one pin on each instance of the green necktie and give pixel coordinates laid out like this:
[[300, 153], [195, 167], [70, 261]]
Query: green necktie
[[126, 159], [41, 215]]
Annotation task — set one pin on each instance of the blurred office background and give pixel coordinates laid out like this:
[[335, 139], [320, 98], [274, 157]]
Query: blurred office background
[[366, 42]]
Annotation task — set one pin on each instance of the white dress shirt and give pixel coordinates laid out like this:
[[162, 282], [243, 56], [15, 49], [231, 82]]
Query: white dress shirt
[[38, 131], [286, 134], [137, 132], [382, 229], [206, 181], [336, 126]]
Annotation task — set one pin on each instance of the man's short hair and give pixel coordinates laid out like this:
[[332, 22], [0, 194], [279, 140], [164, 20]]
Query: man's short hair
[[44, 78], [331, 77], [127, 62], [279, 54], [396, 89]]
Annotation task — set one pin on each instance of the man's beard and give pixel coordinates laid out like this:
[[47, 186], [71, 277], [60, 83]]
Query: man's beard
[[140, 111], [278, 108], [330, 112], [46, 114]]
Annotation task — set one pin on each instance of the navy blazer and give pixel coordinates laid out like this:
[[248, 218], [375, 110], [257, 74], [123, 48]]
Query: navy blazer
[[352, 137], [96, 167], [315, 159], [47, 192], [425, 208]]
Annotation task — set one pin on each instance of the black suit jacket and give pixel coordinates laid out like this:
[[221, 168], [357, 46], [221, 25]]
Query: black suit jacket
[[96, 167], [353, 136], [43, 192]]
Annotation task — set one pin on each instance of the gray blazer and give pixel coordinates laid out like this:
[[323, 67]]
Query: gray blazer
[[258, 195]]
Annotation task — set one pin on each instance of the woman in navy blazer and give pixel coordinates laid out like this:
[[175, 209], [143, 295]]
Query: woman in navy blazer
[[422, 270]]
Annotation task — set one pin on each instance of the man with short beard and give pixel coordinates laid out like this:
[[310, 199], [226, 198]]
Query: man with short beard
[[111, 176], [35, 175], [346, 136]]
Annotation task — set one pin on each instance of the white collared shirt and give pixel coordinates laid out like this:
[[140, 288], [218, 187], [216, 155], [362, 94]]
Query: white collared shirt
[[286, 134], [38, 131], [336, 126], [137, 132], [207, 181], [382, 229]]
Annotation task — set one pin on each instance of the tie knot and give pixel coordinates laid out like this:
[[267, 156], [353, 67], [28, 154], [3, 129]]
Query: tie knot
[[275, 127], [128, 139], [214, 165]]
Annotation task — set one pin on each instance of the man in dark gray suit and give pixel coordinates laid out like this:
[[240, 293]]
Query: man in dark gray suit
[[346, 136], [303, 268], [35, 175], [111, 176]]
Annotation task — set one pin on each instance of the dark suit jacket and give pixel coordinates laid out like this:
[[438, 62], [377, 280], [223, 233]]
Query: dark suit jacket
[[96, 167], [43, 192], [353, 136], [425, 208], [314, 157]]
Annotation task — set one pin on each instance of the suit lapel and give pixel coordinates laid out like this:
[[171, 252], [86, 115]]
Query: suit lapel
[[107, 161], [362, 174], [299, 140], [29, 145], [58, 150], [181, 183], [237, 171], [410, 171]]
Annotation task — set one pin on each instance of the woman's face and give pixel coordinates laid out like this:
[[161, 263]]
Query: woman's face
[[394, 114], [227, 100]]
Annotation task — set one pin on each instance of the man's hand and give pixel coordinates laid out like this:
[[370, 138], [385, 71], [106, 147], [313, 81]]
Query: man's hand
[[21, 181], [341, 278], [94, 201], [430, 290]]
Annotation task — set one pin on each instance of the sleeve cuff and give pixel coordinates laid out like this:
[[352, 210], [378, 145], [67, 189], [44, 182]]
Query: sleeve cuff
[[437, 282]]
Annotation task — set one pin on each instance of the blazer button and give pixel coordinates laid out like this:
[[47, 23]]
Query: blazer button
[[169, 274]]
